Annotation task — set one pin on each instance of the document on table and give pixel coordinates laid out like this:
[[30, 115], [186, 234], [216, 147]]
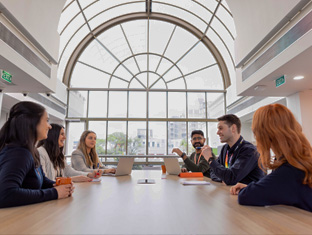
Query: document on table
[[96, 180], [195, 182]]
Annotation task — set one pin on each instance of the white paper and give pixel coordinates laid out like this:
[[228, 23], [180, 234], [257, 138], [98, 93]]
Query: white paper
[[195, 182], [96, 180]]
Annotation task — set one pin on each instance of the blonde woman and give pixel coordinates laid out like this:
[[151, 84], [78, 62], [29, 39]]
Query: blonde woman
[[85, 158]]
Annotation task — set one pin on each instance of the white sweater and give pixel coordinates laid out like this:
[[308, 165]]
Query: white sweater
[[50, 172]]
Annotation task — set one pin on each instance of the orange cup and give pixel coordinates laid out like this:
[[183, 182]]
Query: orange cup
[[163, 168], [63, 180]]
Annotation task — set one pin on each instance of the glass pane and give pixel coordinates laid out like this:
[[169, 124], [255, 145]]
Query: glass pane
[[117, 104], [191, 62], [111, 13], [136, 138], [173, 73], [227, 19], [177, 105], [160, 33], [213, 138], [196, 105], [115, 42], [137, 104], [77, 106], [160, 83], [215, 105], [209, 78], [97, 104], [73, 133], [97, 56], [157, 139], [68, 14], [177, 136], [88, 77], [116, 139], [193, 19], [157, 105], [99, 127], [224, 34], [136, 32], [178, 47], [195, 126]]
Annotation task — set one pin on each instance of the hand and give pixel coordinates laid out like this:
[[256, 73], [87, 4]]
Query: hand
[[177, 151], [207, 152], [65, 190], [81, 178], [234, 190], [96, 173], [183, 170], [111, 170]]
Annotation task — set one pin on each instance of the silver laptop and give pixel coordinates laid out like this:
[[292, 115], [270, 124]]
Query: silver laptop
[[172, 166], [124, 167]]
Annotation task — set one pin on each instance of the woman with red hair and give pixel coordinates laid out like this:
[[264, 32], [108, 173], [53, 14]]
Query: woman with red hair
[[275, 128]]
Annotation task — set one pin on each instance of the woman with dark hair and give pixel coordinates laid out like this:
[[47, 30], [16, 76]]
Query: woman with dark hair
[[85, 158], [53, 160], [275, 128], [21, 178]]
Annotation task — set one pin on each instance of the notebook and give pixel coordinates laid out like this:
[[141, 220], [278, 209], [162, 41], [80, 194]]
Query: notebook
[[124, 167], [172, 166]]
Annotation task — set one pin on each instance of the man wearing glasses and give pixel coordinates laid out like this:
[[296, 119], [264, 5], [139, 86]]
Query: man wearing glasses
[[196, 162]]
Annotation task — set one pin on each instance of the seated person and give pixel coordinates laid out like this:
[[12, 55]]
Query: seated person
[[290, 183], [196, 162], [85, 158], [21, 177], [238, 159], [53, 160]]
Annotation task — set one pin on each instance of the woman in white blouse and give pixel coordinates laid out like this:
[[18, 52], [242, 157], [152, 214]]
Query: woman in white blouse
[[53, 160]]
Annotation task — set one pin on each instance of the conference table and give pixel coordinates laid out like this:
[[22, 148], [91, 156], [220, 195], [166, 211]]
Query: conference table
[[119, 205]]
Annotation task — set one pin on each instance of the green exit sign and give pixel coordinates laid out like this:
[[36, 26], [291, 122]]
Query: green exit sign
[[6, 76], [280, 81]]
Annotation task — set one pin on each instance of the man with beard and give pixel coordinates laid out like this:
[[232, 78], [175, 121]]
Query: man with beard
[[196, 162], [238, 159]]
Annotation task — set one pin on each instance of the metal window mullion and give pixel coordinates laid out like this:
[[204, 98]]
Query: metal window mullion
[[206, 109], [186, 102], [87, 116], [167, 125], [107, 112], [127, 122]]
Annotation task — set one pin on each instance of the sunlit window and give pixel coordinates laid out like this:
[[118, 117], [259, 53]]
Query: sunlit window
[[143, 82]]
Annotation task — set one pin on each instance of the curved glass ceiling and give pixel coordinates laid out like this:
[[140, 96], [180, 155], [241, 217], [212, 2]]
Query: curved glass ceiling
[[147, 53]]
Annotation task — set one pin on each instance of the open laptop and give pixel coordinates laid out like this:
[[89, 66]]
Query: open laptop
[[124, 167], [172, 166]]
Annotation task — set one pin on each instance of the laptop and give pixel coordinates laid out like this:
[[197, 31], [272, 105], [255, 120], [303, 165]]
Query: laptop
[[172, 166], [124, 167]]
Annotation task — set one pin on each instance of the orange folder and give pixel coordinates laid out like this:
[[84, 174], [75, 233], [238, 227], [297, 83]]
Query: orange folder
[[191, 174]]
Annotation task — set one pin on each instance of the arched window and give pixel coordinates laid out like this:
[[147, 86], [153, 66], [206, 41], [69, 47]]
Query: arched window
[[144, 79]]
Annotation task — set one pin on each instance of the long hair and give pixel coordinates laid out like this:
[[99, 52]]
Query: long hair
[[21, 127], [276, 128], [51, 145], [92, 159]]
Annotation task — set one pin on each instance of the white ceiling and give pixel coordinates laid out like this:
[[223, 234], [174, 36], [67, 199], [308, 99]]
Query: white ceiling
[[299, 65]]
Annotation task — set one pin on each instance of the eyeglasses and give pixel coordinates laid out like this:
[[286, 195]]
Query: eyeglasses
[[197, 138]]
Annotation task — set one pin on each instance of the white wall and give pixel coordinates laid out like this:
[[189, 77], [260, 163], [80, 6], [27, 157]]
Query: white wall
[[301, 106], [40, 18], [254, 19]]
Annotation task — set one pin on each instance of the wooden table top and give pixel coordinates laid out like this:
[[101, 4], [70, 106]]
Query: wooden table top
[[118, 205]]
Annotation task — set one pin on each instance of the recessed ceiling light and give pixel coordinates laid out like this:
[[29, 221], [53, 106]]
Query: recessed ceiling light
[[298, 77]]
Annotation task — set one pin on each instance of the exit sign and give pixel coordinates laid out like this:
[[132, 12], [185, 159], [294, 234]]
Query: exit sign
[[280, 81], [6, 76]]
